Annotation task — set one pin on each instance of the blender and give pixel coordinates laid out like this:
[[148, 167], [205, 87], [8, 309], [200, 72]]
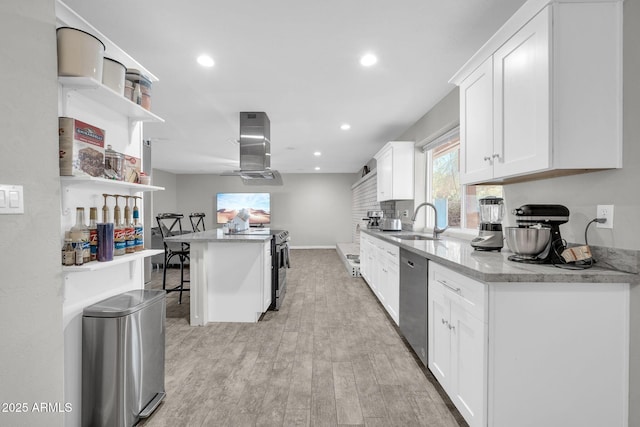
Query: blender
[[490, 229]]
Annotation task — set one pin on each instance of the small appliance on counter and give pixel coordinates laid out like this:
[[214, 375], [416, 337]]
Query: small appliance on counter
[[490, 236], [374, 218], [537, 238], [391, 224]]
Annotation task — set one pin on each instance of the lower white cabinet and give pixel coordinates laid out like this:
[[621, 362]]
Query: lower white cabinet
[[457, 340], [530, 354], [379, 266]]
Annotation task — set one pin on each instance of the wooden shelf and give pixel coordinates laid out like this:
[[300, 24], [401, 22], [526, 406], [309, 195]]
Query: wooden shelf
[[106, 96], [117, 260], [90, 180]]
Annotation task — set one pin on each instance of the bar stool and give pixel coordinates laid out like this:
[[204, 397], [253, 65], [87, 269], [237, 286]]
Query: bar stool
[[170, 224], [197, 221]]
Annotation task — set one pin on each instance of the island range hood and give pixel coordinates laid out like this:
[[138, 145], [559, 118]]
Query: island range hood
[[255, 151]]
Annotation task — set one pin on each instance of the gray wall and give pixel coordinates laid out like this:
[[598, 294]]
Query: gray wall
[[31, 282], [164, 201], [315, 208], [442, 117]]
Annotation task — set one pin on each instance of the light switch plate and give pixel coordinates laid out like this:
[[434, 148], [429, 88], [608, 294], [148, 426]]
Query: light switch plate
[[11, 199]]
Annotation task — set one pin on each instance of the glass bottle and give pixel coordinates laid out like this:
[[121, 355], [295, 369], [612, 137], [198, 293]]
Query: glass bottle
[[129, 230], [93, 233], [79, 259], [79, 234], [138, 229], [119, 241], [68, 253]]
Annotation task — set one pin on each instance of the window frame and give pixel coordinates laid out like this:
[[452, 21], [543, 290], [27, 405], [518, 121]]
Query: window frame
[[463, 231]]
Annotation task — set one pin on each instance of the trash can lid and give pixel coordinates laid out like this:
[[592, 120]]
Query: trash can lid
[[124, 304]]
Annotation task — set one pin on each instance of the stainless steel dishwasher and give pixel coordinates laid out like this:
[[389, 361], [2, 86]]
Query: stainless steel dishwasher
[[413, 301]]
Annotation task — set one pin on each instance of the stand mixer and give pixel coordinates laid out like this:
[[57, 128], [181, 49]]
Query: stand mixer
[[541, 223], [490, 236]]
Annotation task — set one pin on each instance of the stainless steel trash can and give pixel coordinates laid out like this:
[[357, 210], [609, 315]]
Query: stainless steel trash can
[[123, 358]]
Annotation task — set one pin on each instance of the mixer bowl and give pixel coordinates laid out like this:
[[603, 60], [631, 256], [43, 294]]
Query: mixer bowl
[[527, 242]]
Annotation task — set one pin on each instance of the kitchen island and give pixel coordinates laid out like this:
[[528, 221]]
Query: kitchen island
[[230, 275], [514, 343]]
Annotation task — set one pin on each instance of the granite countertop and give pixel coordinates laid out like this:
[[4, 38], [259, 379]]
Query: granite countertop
[[486, 266], [248, 236]]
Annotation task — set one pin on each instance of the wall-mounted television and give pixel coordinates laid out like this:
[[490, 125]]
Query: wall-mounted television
[[258, 204]]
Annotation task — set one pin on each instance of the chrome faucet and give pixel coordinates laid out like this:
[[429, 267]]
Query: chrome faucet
[[436, 231]]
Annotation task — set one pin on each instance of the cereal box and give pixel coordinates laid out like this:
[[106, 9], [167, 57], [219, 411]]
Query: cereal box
[[132, 169], [81, 148]]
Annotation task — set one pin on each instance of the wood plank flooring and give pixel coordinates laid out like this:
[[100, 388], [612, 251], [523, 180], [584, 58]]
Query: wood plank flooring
[[330, 357]]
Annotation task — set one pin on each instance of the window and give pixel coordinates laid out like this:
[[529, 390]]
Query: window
[[458, 202]]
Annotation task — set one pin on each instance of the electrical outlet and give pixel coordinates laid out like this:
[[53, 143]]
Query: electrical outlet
[[606, 212], [405, 213]]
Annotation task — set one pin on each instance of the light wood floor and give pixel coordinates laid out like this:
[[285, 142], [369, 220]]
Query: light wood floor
[[330, 357]]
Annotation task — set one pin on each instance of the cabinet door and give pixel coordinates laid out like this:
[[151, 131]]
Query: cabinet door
[[522, 100], [266, 278], [476, 125], [439, 335], [393, 290], [468, 370], [385, 175]]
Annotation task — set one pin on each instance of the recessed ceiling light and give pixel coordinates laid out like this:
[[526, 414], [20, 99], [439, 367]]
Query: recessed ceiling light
[[317, 168], [317, 153], [345, 126], [368, 60], [205, 61]]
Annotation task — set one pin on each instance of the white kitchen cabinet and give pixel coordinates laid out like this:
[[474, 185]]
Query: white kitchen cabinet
[[543, 97], [458, 340], [503, 351], [266, 276], [395, 171], [381, 272]]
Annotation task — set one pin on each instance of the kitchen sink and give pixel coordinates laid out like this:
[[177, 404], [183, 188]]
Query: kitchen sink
[[412, 237]]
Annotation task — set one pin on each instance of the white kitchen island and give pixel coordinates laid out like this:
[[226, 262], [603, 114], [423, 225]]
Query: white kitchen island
[[230, 275]]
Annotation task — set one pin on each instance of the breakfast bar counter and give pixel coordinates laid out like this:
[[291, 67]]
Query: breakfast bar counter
[[230, 275]]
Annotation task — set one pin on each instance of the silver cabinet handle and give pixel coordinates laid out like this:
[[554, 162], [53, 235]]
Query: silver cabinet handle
[[410, 264], [391, 253], [444, 322], [495, 155], [487, 158], [451, 327], [446, 285]]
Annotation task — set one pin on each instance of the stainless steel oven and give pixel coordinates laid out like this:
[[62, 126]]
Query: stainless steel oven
[[279, 264]]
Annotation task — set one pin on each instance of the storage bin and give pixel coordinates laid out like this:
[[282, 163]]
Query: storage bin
[[123, 339], [113, 75], [80, 54]]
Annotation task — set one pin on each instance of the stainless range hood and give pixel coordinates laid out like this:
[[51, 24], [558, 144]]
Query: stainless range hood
[[255, 151]]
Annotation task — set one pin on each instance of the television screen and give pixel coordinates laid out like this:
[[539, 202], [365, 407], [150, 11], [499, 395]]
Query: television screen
[[258, 204]]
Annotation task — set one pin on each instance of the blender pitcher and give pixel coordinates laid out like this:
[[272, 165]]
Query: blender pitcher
[[490, 236]]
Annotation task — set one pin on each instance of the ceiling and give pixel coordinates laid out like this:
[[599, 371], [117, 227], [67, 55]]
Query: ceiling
[[298, 61]]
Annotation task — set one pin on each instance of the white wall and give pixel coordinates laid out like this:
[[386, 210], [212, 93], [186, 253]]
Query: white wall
[[315, 208], [31, 353]]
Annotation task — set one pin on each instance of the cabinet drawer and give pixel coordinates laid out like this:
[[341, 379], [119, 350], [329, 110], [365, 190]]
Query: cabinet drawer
[[470, 293]]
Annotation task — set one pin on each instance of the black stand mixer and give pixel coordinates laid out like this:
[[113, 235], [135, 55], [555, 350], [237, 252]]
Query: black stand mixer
[[530, 218]]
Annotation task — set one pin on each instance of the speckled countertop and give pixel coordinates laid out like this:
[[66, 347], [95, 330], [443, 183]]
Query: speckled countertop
[[458, 255], [259, 235]]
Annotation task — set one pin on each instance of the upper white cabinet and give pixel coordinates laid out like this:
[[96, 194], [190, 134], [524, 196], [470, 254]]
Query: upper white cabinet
[[543, 95], [395, 171]]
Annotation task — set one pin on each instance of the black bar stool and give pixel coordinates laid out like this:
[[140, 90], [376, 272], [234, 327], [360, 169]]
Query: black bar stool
[[170, 224], [197, 221]]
